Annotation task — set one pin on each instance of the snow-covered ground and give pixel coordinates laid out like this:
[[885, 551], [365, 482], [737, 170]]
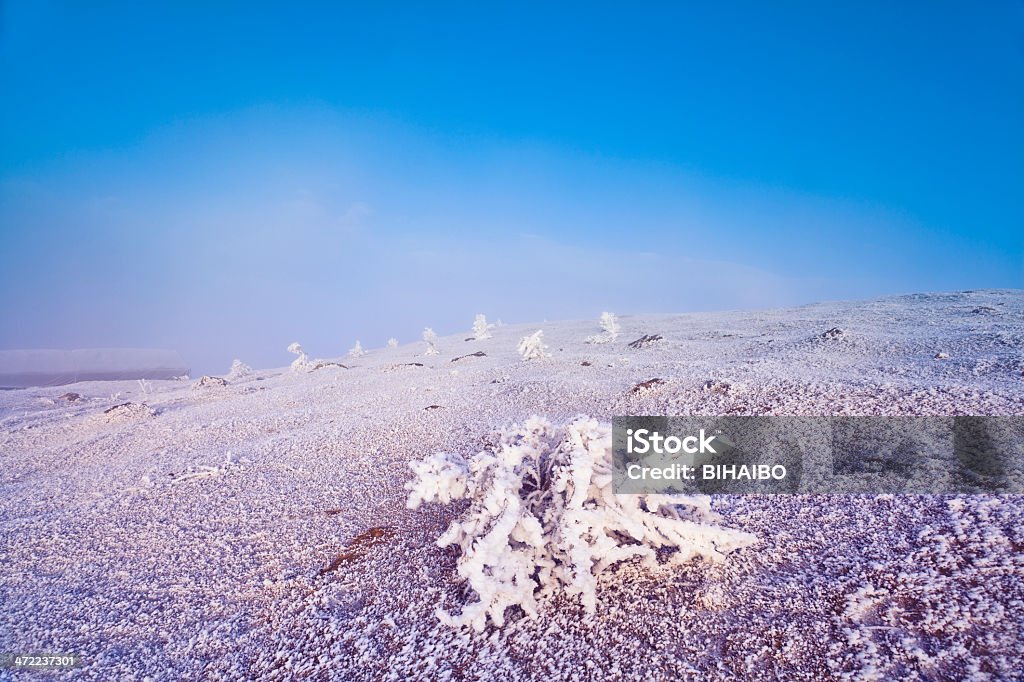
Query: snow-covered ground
[[259, 529]]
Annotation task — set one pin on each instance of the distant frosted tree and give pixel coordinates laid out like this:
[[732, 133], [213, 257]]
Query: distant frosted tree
[[610, 326], [430, 336], [532, 348], [392, 342], [301, 363], [356, 351], [239, 370], [481, 330]]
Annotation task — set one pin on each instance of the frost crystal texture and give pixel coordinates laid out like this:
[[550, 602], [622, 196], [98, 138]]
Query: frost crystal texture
[[481, 330], [542, 519], [301, 363], [610, 328], [430, 336], [356, 351], [532, 348]]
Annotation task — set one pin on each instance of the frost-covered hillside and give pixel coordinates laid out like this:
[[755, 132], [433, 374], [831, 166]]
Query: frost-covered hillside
[[257, 527]]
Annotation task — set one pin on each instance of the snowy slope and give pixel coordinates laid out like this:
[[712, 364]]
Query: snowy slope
[[259, 529]]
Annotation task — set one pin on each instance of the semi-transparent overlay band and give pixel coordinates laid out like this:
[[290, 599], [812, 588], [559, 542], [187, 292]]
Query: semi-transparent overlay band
[[837, 455]]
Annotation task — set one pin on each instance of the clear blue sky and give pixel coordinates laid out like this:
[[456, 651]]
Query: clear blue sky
[[224, 180]]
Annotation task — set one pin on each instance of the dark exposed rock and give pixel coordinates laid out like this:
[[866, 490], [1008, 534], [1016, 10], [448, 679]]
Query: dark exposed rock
[[648, 385], [71, 397], [433, 407], [833, 334], [207, 381], [361, 544], [321, 364], [127, 412], [716, 386], [478, 354], [645, 340], [586, 363]]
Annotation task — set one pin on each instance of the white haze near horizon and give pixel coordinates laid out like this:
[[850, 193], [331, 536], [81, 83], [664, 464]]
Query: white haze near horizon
[[232, 238]]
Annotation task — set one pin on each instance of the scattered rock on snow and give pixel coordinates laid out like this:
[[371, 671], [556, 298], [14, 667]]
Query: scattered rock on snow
[[833, 334], [359, 546], [478, 354], [207, 381], [645, 340], [126, 412], [321, 364], [433, 407], [586, 363], [716, 386], [649, 385], [71, 397], [942, 356]]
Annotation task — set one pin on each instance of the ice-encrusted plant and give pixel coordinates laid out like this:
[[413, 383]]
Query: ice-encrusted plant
[[543, 519], [481, 330], [392, 342], [609, 329], [301, 363], [239, 370], [356, 351], [430, 336], [531, 347]]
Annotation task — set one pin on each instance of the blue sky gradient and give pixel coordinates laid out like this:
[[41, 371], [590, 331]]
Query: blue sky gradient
[[225, 180]]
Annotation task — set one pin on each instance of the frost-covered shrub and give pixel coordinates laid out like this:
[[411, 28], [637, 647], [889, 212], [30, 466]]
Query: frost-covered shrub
[[301, 363], [481, 330], [239, 370], [430, 336], [543, 519], [392, 342], [532, 348], [356, 351], [610, 329]]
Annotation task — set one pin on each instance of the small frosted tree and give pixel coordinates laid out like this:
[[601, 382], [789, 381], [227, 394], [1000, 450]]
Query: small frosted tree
[[532, 347], [239, 370], [481, 330], [610, 329], [543, 519], [430, 336], [301, 363], [356, 351], [392, 342]]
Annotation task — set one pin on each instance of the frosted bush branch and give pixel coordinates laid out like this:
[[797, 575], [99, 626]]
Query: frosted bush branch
[[532, 348], [610, 329], [392, 342], [481, 330], [543, 519], [356, 351], [430, 336]]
